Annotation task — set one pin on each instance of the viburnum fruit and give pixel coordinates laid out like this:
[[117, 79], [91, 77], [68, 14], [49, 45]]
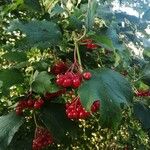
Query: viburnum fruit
[[75, 110], [142, 93], [87, 75], [38, 104], [59, 68], [69, 79], [95, 107], [50, 96], [89, 44], [42, 139], [28, 104], [24, 104]]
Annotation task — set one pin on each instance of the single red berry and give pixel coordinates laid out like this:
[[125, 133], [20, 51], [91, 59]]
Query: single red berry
[[76, 83], [30, 103], [91, 46], [81, 115], [38, 104], [67, 83], [19, 110], [95, 107], [60, 79], [87, 75]]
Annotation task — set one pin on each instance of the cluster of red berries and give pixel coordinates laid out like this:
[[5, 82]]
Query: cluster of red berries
[[50, 96], [70, 79], [59, 67], [28, 104], [142, 93], [42, 139], [75, 110], [89, 44]]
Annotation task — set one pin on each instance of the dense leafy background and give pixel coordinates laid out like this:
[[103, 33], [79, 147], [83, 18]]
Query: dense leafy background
[[35, 34]]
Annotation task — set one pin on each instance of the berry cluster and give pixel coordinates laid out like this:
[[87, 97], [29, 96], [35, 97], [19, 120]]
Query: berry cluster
[[59, 68], [142, 93], [28, 104], [89, 44], [75, 110], [69, 79], [50, 96], [42, 139]]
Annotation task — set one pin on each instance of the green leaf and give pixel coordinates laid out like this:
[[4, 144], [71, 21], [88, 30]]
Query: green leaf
[[33, 5], [9, 125], [21, 65], [146, 74], [56, 10], [55, 119], [75, 20], [112, 89], [42, 83], [1, 84], [41, 65], [91, 11], [41, 34], [11, 77], [146, 54], [23, 139], [142, 112], [103, 41], [15, 56]]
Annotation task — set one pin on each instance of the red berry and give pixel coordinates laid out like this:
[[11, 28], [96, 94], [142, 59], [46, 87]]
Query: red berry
[[67, 83], [82, 115], [42, 139], [30, 103], [91, 46], [69, 75], [76, 83], [60, 79], [38, 104], [87, 75], [59, 67], [19, 111], [95, 107]]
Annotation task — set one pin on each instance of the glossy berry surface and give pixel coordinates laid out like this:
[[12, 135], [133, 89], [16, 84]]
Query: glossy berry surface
[[69, 79], [75, 110], [38, 104], [24, 104], [87, 75], [42, 139]]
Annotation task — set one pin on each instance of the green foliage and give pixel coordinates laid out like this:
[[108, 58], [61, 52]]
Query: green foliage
[[91, 10], [41, 34], [33, 5], [9, 125], [103, 41], [146, 74], [42, 83], [87, 36], [54, 118], [15, 56], [142, 112], [111, 89], [10, 77]]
